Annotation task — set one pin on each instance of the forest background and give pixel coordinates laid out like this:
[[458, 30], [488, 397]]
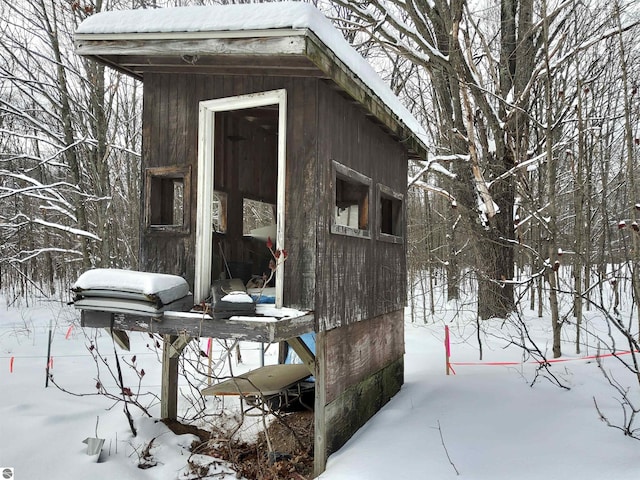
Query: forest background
[[532, 113]]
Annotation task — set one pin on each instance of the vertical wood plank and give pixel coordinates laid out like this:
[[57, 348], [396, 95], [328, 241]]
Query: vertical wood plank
[[301, 196]]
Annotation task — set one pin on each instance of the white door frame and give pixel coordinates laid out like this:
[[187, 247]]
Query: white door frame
[[206, 138]]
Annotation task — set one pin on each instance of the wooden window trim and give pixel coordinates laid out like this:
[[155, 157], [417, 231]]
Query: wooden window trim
[[340, 171], [182, 172], [384, 191]]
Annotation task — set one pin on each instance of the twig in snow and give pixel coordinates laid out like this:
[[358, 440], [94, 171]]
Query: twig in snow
[[445, 449]]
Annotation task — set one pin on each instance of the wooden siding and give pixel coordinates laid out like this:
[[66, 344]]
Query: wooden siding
[[345, 415], [356, 351], [169, 139], [345, 279], [170, 119], [359, 367], [356, 278], [302, 194]]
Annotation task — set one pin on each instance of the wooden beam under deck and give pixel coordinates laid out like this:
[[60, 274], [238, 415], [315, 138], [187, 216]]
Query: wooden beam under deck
[[255, 329]]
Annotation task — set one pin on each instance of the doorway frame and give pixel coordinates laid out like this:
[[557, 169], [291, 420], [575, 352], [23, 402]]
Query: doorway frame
[[205, 186]]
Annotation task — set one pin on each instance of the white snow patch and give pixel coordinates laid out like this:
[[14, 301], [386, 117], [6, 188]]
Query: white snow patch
[[237, 297], [495, 425]]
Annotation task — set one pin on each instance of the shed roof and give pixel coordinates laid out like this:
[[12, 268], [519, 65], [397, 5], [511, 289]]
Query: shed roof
[[276, 38]]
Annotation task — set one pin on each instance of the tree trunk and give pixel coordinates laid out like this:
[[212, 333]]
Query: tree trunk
[[551, 271], [633, 259]]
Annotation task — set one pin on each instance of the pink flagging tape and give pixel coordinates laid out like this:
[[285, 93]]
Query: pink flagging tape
[[66, 337], [554, 360], [486, 364], [11, 364], [447, 345], [50, 363], [209, 348]]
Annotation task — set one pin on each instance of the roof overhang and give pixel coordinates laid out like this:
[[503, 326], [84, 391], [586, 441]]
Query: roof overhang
[[278, 52]]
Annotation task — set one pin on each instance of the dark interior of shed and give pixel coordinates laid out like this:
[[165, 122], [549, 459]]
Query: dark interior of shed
[[245, 187]]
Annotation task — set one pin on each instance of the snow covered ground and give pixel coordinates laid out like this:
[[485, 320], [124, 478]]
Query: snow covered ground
[[486, 421]]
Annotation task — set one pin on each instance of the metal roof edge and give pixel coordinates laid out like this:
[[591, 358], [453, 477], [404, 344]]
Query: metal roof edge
[[197, 35]]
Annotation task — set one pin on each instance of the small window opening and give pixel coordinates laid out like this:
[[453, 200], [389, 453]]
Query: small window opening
[[258, 219], [390, 213], [219, 212], [352, 200], [167, 199], [351, 205], [390, 216]]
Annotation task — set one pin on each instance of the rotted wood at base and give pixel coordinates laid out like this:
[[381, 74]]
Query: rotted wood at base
[[356, 351], [359, 367], [351, 410]]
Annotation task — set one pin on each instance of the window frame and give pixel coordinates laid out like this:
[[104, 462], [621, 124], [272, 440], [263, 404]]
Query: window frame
[[342, 172], [176, 172], [208, 110], [383, 191], [223, 198]]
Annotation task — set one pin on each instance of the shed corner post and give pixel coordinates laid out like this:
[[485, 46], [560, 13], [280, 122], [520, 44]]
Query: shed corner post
[[320, 427]]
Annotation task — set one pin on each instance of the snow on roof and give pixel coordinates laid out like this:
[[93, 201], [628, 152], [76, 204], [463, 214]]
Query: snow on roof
[[251, 17]]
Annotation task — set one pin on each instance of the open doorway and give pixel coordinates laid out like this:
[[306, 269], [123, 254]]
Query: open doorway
[[240, 202]]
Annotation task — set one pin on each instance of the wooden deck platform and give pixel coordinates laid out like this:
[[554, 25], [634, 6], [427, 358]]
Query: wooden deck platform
[[270, 326]]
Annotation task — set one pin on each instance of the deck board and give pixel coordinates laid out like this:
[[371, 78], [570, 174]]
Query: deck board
[[266, 329]]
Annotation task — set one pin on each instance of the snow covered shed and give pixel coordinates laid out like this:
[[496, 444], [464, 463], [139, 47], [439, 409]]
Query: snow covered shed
[[259, 120]]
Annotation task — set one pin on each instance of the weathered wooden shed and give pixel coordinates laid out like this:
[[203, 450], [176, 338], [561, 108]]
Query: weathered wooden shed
[[265, 108]]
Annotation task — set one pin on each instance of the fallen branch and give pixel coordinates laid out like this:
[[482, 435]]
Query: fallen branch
[[445, 449]]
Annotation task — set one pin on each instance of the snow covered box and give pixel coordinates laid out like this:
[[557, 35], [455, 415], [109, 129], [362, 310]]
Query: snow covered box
[[127, 291]]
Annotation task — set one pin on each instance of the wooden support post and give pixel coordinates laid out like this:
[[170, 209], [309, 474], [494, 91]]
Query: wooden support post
[[320, 441], [172, 348], [120, 337], [307, 357], [178, 345], [46, 378]]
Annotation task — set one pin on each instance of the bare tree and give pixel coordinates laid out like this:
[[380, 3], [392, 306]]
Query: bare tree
[[507, 99], [69, 167]]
